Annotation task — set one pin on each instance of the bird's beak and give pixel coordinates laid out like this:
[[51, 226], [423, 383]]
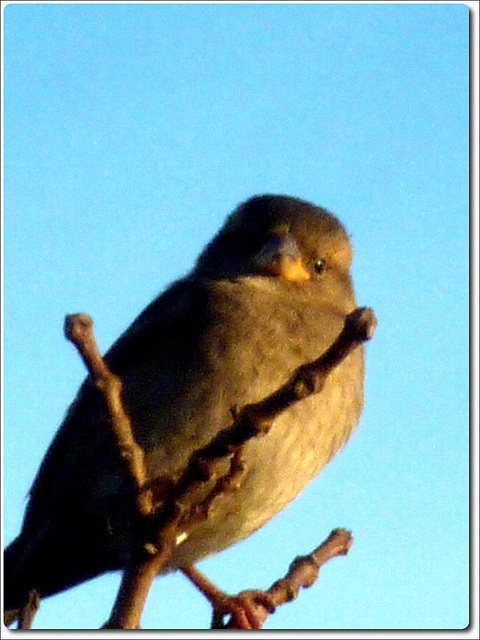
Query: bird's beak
[[281, 257]]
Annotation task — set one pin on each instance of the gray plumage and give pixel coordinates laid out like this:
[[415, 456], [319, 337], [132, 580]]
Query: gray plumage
[[226, 335]]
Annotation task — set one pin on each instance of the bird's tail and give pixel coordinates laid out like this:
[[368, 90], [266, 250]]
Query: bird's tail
[[16, 580], [53, 563]]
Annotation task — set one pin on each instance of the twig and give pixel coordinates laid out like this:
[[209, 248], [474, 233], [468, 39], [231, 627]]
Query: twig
[[249, 609], [29, 610], [79, 330], [137, 580], [257, 419], [178, 516], [302, 573]]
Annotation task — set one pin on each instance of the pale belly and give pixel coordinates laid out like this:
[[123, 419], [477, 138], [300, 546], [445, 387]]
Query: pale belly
[[280, 465]]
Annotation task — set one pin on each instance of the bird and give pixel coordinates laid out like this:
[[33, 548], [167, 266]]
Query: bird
[[268, 293]]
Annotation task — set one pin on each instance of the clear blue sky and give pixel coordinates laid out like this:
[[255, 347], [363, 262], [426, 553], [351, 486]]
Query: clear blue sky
[[130, 132]]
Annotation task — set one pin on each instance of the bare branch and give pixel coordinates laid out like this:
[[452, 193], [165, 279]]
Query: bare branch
[[29, 610], [79, 330], [303, 571], [257, 419], [250, 609]]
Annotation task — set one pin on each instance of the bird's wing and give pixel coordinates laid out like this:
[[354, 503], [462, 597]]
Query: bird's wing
[[169, 310], [79, 521], [80, 438]]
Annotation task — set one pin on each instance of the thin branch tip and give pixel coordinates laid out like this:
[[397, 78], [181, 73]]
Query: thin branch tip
[[76, 325], [361, 323]]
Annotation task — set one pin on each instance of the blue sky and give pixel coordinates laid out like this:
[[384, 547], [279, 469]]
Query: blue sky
[[131, 131]]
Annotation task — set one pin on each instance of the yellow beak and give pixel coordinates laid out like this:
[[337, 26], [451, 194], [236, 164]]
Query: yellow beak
[[280, 257], [285, 266]]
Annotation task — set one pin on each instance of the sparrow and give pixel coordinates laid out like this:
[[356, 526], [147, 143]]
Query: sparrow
[[269, 293]]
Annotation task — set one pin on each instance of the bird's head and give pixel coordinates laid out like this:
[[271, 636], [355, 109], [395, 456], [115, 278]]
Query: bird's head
[[277, 236]]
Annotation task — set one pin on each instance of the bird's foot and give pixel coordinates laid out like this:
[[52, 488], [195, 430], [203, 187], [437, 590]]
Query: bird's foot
[[247, 609]]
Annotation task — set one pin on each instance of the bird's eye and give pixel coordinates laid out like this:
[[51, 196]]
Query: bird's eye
[[319, 265]]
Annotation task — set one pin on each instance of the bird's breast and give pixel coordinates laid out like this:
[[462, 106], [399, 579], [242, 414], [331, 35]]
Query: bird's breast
[[252, 340]]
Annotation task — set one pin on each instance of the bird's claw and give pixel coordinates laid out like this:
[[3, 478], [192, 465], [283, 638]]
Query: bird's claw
[[247, 609]]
